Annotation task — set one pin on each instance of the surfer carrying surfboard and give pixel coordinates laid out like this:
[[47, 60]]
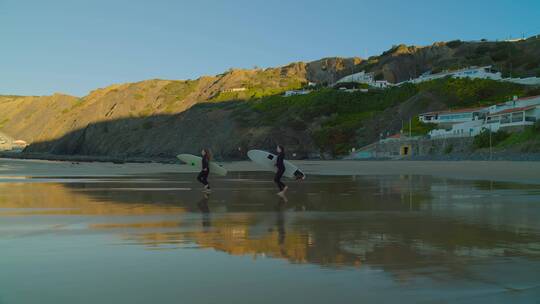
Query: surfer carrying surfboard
[[205, 169], [280, 169]]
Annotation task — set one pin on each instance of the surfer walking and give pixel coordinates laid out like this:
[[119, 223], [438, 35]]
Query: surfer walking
[[205, 169], [280, 169]]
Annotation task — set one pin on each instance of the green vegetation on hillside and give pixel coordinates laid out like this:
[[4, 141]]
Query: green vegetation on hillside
[[527, 141], [333, 118], [263, 83], [255, 92], [3, 122], [488, 139], [465, 92], [175, 92], [419, 128]]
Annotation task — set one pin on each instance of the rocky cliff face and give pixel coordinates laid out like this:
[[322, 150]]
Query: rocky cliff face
[[400, 63]]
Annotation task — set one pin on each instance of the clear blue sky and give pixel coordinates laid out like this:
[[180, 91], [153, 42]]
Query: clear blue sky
[[73, 46]]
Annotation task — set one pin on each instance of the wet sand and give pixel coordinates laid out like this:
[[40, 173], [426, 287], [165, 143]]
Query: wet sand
[[374, 232], [155, 238], [528, 172]]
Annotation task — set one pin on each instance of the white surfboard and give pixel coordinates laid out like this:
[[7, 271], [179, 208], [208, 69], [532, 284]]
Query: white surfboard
[[196, 161], [268, 160]]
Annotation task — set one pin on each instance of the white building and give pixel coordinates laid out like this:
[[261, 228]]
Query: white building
[[235, 90], [521, 116], [452, 117], [464, 129], [524, 81], [472, 72], [515, 103], [381, 84], [361, 77], [470, 122], [365, 78], [296, 92]]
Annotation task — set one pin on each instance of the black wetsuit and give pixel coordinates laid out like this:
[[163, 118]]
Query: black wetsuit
[[280, 170], [203, 175]]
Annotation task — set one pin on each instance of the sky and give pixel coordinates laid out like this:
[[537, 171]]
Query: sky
[[75, 46]]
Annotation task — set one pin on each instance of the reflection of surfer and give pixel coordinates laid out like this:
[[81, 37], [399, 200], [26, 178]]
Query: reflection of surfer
[[205, 210], [280, 170], [205, 169], [280, 221]]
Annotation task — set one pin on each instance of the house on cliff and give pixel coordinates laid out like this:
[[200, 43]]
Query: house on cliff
[[510, 116]]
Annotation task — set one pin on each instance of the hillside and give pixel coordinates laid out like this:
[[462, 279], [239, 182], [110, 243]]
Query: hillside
[[42, 118], [325, 121], [241, 109], [400, 63]]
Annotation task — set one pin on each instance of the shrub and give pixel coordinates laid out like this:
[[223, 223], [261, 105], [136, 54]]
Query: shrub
[[500, 55], [482, 50], [527, 140], [532, 65], [420, 128], [448, 149], [147, 125], [454, 44], [465, 92], [482, 140]]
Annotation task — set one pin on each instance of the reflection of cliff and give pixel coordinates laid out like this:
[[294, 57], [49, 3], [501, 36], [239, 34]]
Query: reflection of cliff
[[236, 236], [390, 241], [238, 241], [52, 198]]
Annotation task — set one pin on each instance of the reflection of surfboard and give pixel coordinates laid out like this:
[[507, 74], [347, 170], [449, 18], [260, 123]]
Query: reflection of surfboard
[[268, 161], [196, 161]]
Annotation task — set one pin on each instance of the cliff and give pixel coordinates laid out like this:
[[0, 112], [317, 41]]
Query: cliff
[[242, 109]]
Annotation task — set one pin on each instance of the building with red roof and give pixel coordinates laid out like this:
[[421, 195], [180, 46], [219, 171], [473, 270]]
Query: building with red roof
[[520, 116], [518, 112]]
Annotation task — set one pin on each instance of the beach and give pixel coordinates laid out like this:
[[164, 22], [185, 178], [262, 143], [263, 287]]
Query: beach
[[381, 232], [509, 171]]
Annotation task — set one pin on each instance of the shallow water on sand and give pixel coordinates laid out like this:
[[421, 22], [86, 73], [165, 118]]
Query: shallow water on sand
[[375, 239]]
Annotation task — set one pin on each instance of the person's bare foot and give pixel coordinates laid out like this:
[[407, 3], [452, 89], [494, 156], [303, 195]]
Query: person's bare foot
[[285, 189]]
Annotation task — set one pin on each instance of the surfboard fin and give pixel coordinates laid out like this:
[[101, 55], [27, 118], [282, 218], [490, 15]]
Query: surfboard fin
[[299, 175]]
